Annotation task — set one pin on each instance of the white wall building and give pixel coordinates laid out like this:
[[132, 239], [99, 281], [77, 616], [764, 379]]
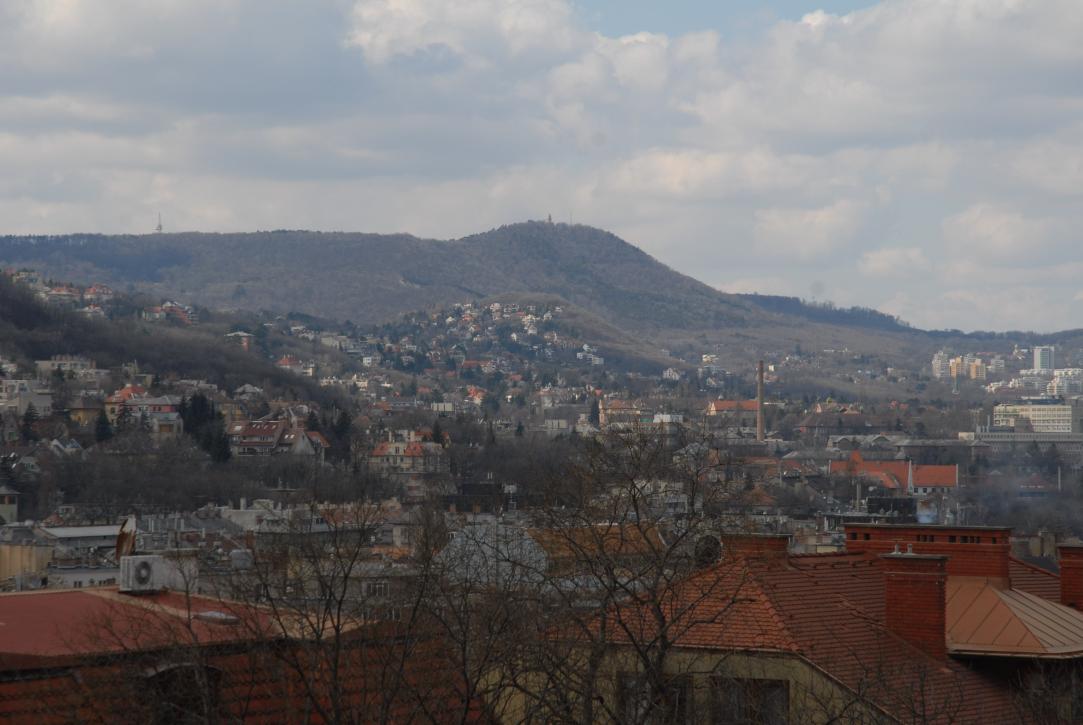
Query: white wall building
[[1044, 359]]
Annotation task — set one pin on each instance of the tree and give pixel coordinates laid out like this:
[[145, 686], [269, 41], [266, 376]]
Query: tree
[[30, 418], [595, 415], [103, 431]]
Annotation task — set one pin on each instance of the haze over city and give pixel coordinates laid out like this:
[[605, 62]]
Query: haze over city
[[923, 158]]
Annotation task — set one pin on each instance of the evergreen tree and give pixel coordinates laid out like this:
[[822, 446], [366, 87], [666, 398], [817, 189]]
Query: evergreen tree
[[595, 415], [342, 425], [30, 417], [102, 430], [313, 422], [519, 429], [437, 432], [124, 419], [219, 448]]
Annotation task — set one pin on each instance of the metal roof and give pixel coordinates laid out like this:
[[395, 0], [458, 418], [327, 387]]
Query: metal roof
[[984, 619]]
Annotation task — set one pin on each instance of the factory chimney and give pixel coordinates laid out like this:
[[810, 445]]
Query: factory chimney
[[761, 433]]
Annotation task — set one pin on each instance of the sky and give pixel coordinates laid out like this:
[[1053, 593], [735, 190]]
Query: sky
[[923, 157]]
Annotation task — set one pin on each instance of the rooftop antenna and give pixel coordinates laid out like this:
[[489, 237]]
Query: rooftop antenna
[[159, 227]]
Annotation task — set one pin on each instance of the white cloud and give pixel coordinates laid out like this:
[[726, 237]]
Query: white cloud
[[985, 231], [914, 134], [896, 262], [808, 233]]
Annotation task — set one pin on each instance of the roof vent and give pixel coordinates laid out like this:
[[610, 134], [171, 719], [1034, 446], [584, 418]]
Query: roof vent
[[909, 548], [896, 550]]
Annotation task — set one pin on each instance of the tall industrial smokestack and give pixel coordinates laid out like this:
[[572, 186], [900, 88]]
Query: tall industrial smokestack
[[761, 433]]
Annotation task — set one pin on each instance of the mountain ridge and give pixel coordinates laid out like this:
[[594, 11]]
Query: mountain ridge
[[371, 278]]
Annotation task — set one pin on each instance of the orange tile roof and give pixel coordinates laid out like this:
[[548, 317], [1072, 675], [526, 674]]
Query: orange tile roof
[[726, 406], [829, 610], [900, 470]]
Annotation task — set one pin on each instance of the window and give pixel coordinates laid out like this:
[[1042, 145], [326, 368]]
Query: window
[[739, 701], [637, 703], [377, 589]]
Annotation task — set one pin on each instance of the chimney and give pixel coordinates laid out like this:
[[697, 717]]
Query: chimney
[[914, 599], [1071, 575], [761, 433], [772, 548]]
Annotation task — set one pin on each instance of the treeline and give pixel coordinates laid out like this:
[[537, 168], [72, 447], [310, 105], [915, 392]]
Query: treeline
[[828, 312]]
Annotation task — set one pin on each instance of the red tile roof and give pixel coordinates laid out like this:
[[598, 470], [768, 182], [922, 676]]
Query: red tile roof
[[829, 610], [728, 406], [898, 470]]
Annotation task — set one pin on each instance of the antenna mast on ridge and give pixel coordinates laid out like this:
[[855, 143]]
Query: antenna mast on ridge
[[159, 227]]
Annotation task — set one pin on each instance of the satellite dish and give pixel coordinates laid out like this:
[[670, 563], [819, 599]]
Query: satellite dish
[[126, 538]]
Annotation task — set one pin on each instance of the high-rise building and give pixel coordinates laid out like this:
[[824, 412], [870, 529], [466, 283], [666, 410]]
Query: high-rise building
[[941, 365], [1043, 358]]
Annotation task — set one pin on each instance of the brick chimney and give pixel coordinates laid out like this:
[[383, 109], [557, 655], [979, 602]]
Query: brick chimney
[[915, 588], [1071, 575], [772, 548]]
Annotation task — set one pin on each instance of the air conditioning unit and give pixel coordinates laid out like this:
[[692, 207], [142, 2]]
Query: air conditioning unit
[[142, 573]]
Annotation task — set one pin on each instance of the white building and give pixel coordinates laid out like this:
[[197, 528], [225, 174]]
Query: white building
[[1043, 358], [1042, 415], [941, 365]]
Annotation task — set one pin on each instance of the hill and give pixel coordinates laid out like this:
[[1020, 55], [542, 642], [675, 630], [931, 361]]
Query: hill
[[369, 278], [31, 330]]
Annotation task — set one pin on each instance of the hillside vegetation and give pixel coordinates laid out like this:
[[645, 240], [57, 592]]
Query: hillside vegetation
[[370, 278], [31, 330]]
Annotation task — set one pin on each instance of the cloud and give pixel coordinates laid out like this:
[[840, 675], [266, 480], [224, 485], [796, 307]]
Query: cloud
[[808, 233], [897, 262], [986, 231], [910, 135]]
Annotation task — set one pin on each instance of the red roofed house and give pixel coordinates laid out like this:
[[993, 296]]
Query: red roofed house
[[911, 624], [732, 413], [98, 655], [900, 475]]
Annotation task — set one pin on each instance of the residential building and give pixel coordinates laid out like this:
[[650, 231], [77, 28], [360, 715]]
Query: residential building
[[1044, 358], [902, 476], [941, 365], [18, 395], [908, 624], [1041, 415]]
